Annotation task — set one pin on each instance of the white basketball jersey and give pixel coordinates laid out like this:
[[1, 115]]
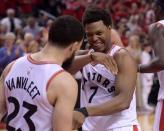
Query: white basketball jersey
[[26, 95], [98, 86], [161, 78]]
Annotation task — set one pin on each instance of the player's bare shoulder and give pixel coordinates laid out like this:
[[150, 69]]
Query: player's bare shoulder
[[124, 59], [62, 83], [63, 80], [66, 78], [156, 30], [122, 53]]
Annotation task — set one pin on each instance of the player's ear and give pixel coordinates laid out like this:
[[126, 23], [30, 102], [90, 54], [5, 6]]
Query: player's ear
[[109, 27], [75, 46]]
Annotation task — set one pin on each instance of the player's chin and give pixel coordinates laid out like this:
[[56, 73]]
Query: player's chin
[[99, 49]]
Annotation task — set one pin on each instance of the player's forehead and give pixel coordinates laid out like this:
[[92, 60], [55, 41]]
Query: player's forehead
[[95, 26]]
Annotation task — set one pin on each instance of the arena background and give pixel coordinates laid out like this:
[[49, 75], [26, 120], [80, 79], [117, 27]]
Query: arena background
[[130, 18]]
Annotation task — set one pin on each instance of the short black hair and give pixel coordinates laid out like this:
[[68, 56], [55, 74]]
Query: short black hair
[[160, 4], [94, 14], [65, 30]]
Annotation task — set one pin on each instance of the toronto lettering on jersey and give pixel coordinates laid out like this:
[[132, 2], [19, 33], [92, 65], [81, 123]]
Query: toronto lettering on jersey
[[99, 79], [21, 83]]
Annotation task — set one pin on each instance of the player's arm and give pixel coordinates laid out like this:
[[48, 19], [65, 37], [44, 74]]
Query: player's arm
[[62, 94], [3, 110], [156, 36], [78, 63], [97, 57], [125, 86], [2, 99]]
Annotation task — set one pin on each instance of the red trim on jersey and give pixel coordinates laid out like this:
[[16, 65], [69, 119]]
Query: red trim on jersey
[[161, 126], [53, 76], [39, 62], [135, 128]]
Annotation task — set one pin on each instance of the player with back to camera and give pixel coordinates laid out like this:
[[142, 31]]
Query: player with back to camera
[[32, 90]]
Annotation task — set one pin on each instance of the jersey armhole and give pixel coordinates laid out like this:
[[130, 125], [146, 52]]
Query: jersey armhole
[[45, 96], [52, 77]]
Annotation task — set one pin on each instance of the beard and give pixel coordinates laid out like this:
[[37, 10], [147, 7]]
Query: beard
[[67, 63]]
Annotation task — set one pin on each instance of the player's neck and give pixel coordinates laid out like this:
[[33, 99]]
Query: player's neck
[[51, 54], [108, 48]]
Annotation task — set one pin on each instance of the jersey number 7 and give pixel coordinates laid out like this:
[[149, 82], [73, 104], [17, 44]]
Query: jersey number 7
[[94, 88]]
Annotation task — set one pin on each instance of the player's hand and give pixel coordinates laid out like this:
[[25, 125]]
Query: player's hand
[[78, 120], [106, 60]]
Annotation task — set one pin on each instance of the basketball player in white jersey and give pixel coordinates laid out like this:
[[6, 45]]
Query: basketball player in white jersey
[[35, 91], [32, 90], [107, 100], [156, 36]]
